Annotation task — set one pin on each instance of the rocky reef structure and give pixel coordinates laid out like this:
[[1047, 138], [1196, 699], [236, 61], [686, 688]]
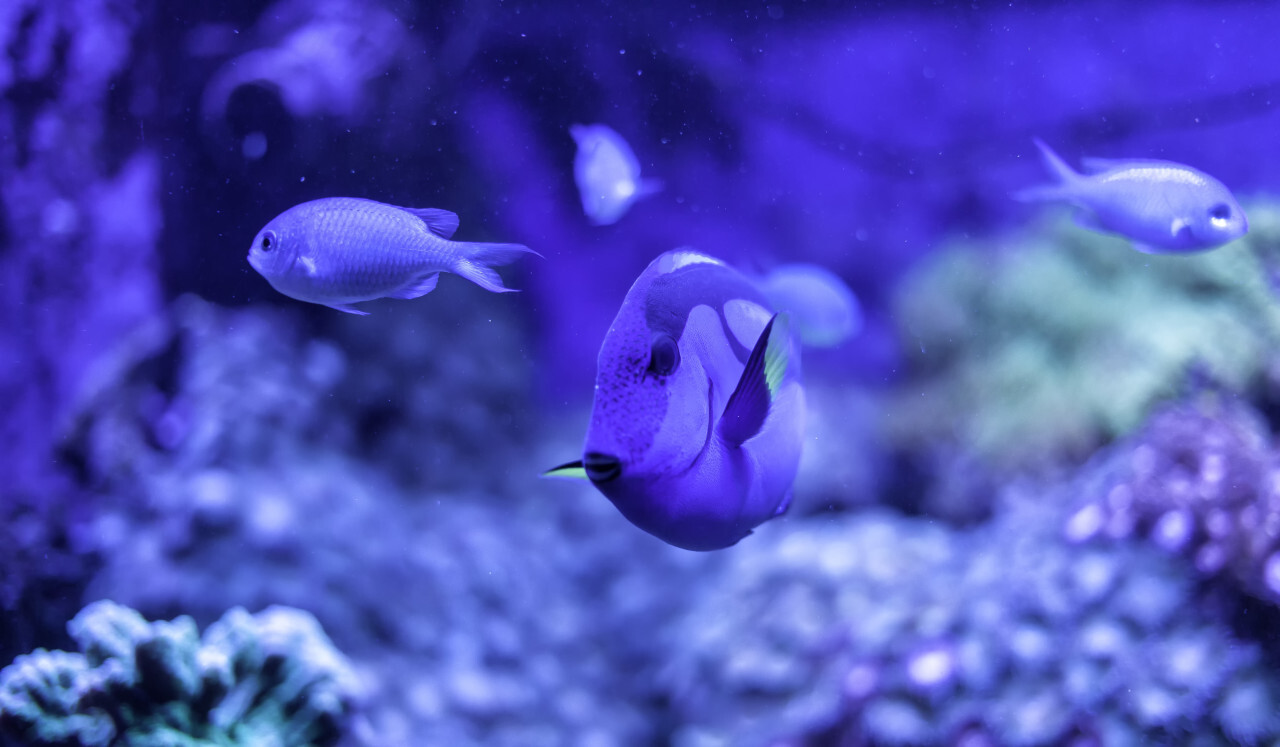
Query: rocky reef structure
[[1200, 479], [875, 629], [1052, 343], [79, 225], [268, 678], [221, 457]]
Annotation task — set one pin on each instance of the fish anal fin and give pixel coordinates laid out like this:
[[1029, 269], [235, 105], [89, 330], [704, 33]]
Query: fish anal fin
[[419, 286], [441, 222], [348, 308], [748, 406], [570, 470]]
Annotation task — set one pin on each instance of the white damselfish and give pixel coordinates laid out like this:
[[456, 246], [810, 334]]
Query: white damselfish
[[338, 251]]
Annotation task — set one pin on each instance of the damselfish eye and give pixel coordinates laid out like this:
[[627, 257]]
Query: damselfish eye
[[268, 241], [664, 355], [1220, 213]]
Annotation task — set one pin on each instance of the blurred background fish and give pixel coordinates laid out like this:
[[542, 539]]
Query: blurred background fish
[[607, 173], [698, 420], [824, 311], [338, 251], [1164, 207]]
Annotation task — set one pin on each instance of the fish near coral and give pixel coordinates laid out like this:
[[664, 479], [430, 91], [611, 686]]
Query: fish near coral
[[607, 173], [338, 251], [698, 419], [1163, 207], [823, 309]]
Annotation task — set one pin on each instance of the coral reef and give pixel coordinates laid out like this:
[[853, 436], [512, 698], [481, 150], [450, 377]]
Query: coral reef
[[1200, 479], [1060, 339], [440, 385], [269, 678], [884, 630], [225, 460]]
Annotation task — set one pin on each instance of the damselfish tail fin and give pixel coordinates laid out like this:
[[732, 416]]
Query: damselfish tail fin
[[1066, 178], [478, 261]]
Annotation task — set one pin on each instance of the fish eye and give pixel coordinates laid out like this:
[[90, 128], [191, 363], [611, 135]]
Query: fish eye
[[664, 355], [268, 241], [1220, 214]]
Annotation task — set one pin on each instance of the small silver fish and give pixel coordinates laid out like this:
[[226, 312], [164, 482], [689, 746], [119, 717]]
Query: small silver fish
[[1163, 207], [338, 251], [698, 421], [607, 173]]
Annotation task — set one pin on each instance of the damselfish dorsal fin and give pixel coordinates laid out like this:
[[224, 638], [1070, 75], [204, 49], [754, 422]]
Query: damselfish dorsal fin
[[1065, 187], [1095, 165], [759, 384], [441, 222], [571, 470]]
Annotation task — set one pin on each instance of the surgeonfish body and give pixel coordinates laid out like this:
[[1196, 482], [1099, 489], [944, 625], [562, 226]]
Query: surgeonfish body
[[607, 173], [698, 420], [1163, 207], [338, 251], [823, 310]]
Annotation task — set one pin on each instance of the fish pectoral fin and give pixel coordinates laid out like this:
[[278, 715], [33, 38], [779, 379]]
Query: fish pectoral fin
[[570, 470], [348, 308], [420, 286], [748, 406], [309, 265], [441, 222], [1178, 226]]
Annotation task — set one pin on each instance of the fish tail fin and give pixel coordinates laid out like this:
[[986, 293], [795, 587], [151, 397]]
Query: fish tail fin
[[478, 260], [1066, 178]]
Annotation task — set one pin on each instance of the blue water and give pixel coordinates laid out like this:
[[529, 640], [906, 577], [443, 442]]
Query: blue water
[[1038, 499]]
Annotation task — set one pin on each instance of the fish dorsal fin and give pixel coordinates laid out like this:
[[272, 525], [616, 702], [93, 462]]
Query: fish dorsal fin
[[572, 470], [1095, 165], [441, 222], [761, 378]]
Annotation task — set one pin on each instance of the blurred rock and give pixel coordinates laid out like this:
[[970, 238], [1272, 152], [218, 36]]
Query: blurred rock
[[875, 629], [1200, 480], [1039, 347]]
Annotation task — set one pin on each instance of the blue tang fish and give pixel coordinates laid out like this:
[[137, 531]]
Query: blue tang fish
[[698, 419], [342, 250], [607, 173], [1163, 207]]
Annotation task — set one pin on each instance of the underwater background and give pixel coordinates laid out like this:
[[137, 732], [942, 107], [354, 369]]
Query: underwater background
[[1039, 499]]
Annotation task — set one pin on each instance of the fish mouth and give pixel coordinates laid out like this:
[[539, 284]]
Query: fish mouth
[[601, 467]]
